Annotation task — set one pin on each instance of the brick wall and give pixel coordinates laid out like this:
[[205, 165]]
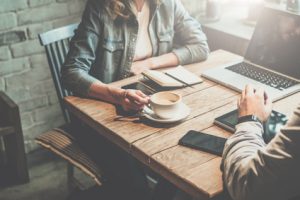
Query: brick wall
[[24, 71]]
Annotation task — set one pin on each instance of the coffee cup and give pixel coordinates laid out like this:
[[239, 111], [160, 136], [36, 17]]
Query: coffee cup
[[165, 104]]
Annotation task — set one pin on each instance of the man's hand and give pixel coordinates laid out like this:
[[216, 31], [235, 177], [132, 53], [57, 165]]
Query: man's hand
[[255, 102], [133, 100]]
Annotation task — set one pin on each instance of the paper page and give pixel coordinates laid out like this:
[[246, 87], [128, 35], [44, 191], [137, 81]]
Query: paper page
[[162, 79], [184, 75]]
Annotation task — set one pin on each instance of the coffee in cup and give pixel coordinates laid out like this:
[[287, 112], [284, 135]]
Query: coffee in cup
[[165, 104]]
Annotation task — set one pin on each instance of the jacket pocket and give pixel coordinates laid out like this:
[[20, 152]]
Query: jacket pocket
[[112, 56], [165, 38], [165, 42], [113, 45]]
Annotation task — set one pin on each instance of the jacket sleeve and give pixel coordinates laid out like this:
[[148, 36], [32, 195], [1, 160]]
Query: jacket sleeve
[[82, 53], [253, 170], [189, 35]]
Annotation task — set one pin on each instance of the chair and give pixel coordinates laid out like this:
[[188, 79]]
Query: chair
[[56, 43], [59, 140], [13, 166]]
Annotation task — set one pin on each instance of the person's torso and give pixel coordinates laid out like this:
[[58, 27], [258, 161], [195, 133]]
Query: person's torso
[[117, 44]]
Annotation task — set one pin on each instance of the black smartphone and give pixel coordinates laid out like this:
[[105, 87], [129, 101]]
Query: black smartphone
[[275, 122], [204, 142]]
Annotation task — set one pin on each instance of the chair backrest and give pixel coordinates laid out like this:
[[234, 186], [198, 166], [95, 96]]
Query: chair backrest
[[56, 43]]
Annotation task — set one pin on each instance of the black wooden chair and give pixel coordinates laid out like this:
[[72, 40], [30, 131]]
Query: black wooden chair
[[13, 165], [59, 140], [56, 43]]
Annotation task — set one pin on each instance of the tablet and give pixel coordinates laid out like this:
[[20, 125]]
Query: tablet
[[275, 122], [147, 86], [139, 86]]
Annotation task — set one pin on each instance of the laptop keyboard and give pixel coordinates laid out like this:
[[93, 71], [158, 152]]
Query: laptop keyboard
[[264, 76]]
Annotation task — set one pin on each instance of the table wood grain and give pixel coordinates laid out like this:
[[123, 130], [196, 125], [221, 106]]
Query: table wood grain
[[156, 145]]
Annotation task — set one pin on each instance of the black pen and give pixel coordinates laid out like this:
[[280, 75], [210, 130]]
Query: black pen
[[186, 84]]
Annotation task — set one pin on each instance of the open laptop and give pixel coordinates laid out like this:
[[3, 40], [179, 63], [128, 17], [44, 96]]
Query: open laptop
[[272, 60]]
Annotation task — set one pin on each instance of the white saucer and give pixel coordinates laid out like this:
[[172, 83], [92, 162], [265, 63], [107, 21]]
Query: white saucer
[[182, 114]]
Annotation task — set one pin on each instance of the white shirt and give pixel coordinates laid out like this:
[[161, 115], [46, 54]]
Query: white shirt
[[143, 44]]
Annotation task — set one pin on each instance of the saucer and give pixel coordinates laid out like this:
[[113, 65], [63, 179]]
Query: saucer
[[182, 114]]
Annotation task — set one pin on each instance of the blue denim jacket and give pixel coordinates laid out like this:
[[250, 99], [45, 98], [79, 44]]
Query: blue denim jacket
[[103, 48]]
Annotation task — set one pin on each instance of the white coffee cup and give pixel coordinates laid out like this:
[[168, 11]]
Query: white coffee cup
[[165, 104]]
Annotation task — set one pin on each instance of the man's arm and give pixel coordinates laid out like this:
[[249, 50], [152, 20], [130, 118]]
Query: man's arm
[[253, 170]]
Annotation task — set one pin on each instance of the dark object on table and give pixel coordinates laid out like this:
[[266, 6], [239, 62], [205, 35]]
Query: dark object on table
[[13, 165], [204, 142], [142, 86], [59, 141], [276, 121]]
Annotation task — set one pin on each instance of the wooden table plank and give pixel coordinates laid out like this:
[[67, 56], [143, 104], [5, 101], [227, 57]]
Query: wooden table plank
[[197, 171], [165, 139], [104, 117]]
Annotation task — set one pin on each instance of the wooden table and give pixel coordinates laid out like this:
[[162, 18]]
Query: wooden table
[[156, 145]]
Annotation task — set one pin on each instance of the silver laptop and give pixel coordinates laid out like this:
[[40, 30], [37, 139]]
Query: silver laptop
[[272, 60]]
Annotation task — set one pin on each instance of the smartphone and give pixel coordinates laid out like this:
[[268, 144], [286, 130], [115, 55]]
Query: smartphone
[[275, 122], [204, 142]]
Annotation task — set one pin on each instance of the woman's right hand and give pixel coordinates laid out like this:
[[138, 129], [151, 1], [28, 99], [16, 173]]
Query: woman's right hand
[[134, 100], [130, 100]]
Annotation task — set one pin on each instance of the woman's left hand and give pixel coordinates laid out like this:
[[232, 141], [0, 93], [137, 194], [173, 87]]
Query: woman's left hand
[[140, 66]]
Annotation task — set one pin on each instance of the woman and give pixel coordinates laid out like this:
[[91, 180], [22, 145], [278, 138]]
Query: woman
[[119, 38]]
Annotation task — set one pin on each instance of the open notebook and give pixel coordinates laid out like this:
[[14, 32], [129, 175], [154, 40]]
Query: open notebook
[[173, 77]]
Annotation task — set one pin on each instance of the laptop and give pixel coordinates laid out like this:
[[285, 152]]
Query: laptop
[[272, 60]]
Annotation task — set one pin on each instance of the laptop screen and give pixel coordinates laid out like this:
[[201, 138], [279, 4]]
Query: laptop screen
[[276, 42]]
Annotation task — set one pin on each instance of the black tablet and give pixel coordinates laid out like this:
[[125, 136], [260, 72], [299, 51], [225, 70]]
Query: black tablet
[[276, 121], [148, 86], [139, 86]]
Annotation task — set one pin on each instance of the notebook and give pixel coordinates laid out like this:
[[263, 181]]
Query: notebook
[[167, 78]]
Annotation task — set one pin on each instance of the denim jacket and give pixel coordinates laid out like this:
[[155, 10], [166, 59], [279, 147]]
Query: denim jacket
[[103, 48]]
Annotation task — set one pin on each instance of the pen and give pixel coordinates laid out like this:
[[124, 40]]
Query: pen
[[186, 84]]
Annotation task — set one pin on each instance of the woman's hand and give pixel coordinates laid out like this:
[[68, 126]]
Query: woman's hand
[[165, 60], [133, 100], [255, 102], [138, 67], [128, 99]]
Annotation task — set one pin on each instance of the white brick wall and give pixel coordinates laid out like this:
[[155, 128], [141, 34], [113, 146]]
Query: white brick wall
[[24, 71]]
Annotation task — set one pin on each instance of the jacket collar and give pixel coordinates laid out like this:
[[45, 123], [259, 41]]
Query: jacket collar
[[153, 4]]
